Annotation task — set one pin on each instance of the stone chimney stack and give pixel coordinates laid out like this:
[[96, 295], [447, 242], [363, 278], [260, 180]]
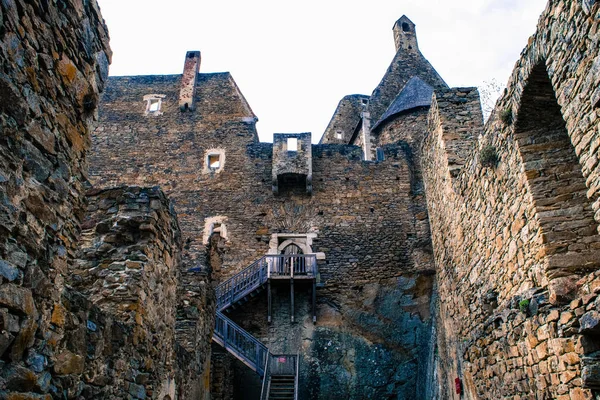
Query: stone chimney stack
[[405, 35], [187, 94]]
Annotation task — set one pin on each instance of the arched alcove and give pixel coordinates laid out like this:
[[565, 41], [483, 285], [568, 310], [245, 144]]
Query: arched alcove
[[554, 177]]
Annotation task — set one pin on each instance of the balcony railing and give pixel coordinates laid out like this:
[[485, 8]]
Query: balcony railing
[[292, 265], [256, 274]]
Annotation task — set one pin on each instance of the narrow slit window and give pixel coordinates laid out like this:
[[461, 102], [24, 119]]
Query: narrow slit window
[[292, 144]]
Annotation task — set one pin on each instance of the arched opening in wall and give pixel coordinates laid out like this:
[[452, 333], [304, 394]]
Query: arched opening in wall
[[555, 180], [405, 27], [291, 249], [292, 259]]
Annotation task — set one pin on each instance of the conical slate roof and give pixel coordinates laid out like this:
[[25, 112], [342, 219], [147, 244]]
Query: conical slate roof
[[416, 93]]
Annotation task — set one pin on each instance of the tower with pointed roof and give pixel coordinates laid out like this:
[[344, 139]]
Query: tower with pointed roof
[[397, 107]]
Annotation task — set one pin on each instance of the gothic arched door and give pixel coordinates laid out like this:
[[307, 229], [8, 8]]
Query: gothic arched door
[[292, 261]]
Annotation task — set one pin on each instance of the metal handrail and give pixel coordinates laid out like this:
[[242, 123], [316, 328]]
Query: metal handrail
[[241, 284], [292, 265], [257, 273], [266, 386], [296, 376], [236, 340], [240, 343]]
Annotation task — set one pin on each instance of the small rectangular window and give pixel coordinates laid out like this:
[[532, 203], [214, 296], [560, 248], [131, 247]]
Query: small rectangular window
[[338, 135], [214, 161], [154, 105], [380, 154], [292, 144]]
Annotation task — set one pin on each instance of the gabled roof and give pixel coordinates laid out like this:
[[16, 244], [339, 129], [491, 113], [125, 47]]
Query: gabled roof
[[416, 93]]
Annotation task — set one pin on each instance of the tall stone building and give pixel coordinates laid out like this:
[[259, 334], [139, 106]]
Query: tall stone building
[[414, 253], [365, 222]]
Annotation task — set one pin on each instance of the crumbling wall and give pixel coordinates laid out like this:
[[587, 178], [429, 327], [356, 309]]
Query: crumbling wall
[[54, 62], [127, 266], [345, 119], [511, 214]]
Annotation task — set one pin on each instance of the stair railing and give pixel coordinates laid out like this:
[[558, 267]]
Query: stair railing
[[241, 284], [256, 274], [240, 343], [266, 385], [296, 377]]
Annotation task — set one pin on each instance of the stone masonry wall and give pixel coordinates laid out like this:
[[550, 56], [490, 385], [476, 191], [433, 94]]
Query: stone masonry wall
[[515, 248], [409, 127], [54, 63], [345, 119], [369, 219], [128, 265]]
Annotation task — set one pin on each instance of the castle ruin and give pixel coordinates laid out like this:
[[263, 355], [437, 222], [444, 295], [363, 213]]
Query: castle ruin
[[151, 247]]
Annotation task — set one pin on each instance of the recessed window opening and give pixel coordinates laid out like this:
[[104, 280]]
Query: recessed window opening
[[292, 144], [154, 105], [214, 161], [338, 135], [405, 27]]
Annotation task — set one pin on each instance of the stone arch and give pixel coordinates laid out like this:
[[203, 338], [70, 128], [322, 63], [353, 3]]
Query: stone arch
[[305, 247], [555, 179]]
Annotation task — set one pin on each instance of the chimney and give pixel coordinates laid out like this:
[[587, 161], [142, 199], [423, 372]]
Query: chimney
[[187, 94]]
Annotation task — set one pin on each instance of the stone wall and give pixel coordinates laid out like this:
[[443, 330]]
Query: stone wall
[[409, 127], [54, 63], [345, 120], [511, 214], [127, 266], [369, 219]]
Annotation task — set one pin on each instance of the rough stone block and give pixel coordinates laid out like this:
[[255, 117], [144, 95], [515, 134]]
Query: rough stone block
[[589, 323]]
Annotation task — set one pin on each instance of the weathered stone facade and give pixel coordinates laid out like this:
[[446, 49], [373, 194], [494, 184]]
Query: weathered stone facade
[[105, 297], [88, 287], [512, 221], [369, 220]]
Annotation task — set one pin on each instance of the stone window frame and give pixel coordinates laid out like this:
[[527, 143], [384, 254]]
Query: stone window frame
[[211, 153], [209, 227], [291, 140], [339, 134], [152, 99]]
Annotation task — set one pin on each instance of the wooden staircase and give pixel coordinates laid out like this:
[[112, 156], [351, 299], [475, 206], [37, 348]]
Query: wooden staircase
[[279, 372], [282, 387], [280, 381]]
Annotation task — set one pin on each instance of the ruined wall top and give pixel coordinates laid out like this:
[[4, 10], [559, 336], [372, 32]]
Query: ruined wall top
[[345, 120]]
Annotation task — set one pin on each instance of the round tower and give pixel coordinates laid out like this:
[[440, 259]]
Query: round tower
[[405, 35]]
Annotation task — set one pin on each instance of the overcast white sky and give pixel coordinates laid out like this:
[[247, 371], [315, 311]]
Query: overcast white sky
[[294, 61]]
